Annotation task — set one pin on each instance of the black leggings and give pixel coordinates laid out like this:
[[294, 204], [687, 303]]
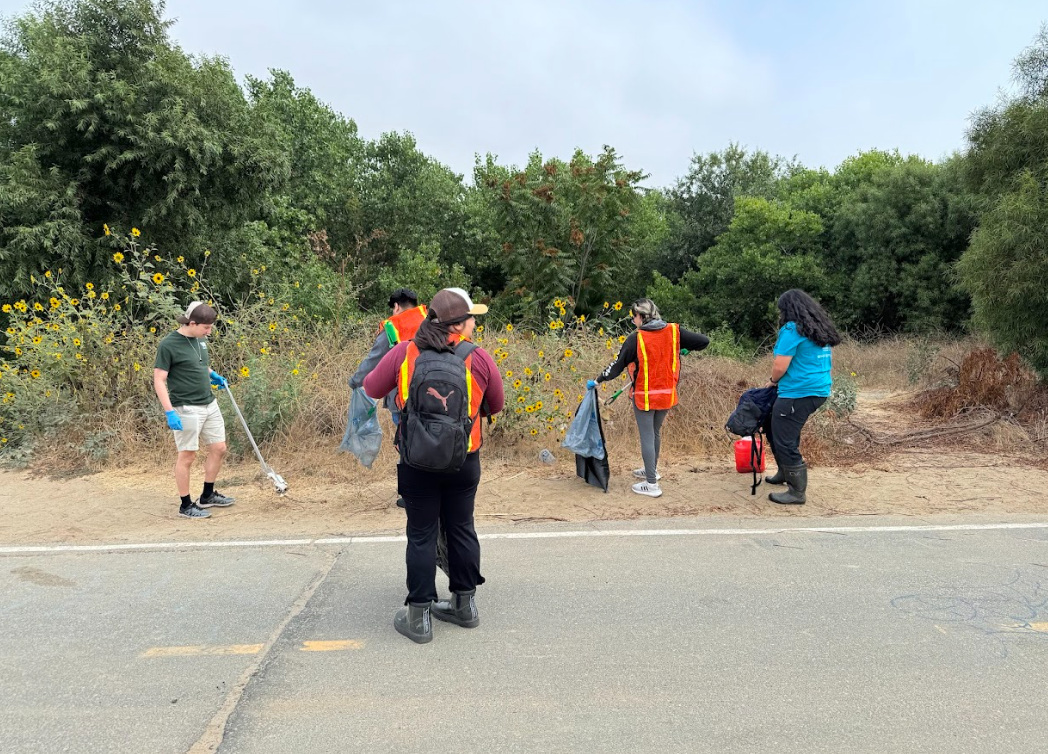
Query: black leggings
[[447, 499], [788, 416]]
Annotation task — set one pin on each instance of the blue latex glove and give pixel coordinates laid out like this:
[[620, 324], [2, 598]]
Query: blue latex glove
[[174, 421], [218, 380], [591, 384]]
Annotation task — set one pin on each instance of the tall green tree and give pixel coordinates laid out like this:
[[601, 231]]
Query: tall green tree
[[566, 228], [702, 203], [768, 248], [1006, 264], [404, 201], [898, 229], [104, 120], [324, 153]]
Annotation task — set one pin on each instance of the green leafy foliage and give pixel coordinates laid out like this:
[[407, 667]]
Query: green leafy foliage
[[1005, 266], [768, 248], [703, 201], [566, 227], [103, 120], [1005, 269]]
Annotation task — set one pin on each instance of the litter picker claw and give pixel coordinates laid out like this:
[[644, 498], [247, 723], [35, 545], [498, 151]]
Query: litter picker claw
[[278, 481]]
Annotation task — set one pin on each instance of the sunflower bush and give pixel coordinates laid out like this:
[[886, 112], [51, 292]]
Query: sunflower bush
[[80, 361]]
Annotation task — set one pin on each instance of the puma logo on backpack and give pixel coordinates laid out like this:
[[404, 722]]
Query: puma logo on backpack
[[436, 422], [442, 398]]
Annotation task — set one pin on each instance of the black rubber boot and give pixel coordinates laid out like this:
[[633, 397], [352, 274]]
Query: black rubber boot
[[779, 477], [796, 484], [414, 622], [461, 610]]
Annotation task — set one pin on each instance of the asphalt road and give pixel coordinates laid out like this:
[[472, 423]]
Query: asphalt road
[[845, 641]]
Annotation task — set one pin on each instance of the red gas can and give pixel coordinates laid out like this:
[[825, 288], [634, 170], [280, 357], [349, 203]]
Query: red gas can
[[745, 453]]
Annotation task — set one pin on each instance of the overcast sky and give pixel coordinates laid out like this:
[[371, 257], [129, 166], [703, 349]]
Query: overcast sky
[[659, 81]]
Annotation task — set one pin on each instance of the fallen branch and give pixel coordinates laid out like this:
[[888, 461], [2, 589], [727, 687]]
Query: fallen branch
[[922, 434]]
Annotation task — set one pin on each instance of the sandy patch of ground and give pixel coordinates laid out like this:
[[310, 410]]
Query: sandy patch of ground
[[138, 505]]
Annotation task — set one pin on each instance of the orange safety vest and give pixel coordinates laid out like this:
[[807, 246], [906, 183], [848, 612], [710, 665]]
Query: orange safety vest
[[403, 326], [474, 395], [657, 370]]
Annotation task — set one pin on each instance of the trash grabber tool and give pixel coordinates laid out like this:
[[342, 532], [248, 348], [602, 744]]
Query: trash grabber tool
[[278, 481]]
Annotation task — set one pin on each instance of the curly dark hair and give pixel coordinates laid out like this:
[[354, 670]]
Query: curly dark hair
[[807, 314]]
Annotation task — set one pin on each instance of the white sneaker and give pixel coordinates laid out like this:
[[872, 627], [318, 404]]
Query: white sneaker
[[651, 490], [642, 474]]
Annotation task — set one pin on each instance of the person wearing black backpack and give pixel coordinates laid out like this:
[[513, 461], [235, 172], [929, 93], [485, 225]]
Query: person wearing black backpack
[[801, 370], [444, 385]]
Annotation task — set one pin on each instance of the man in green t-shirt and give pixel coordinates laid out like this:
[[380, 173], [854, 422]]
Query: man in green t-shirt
[[182, 378]]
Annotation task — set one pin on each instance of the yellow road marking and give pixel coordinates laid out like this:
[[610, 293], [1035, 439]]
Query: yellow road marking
[[203, 650], [330, 646], [1040, 627]]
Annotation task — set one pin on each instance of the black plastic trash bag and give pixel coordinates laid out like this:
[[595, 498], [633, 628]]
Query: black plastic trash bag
[[585, 438], [363, 437]]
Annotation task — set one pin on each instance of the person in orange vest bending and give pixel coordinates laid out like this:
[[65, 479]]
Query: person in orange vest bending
[[652, 355], [402, 325], [445, 385]]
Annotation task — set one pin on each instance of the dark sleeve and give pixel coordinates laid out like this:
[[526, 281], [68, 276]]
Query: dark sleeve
[[494, 393], [693, 341], [627, 356], [163, 356], [383, 378], [379, 349]]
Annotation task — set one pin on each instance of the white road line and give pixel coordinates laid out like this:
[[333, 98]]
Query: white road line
[[576, 534]]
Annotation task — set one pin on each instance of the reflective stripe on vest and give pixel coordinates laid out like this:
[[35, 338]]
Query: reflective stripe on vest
[[403, 326], [474, 395], [658, 368]]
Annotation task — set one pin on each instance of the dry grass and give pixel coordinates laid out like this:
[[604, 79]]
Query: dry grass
[[306, 445]]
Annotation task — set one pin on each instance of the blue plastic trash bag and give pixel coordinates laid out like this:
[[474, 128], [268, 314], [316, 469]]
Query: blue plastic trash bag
[[585, 438], [363, 437]]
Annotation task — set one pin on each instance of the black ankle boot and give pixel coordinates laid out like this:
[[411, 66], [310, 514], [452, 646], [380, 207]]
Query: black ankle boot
[[461, 609], [796, 484], [413, 622]]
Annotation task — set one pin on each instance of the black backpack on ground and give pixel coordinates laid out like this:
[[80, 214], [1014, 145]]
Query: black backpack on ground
[[751, 418], [435, 424]]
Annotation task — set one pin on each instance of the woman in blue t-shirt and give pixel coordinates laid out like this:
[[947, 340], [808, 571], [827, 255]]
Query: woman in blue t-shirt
[[803, 361]]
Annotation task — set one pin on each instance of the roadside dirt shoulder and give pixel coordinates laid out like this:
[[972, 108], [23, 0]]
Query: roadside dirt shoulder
[[137, 505]]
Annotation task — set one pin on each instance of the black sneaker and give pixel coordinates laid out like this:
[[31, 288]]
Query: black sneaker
[[194, 511], [215, 500]]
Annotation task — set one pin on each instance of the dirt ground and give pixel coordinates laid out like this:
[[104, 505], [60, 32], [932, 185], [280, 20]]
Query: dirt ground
[[139, 505]]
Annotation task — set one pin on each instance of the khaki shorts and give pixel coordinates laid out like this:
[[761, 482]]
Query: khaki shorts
[[199, 424]]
